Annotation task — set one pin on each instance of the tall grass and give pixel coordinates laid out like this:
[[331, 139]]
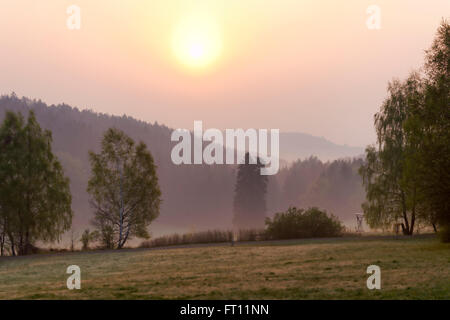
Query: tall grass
[[210, 236]]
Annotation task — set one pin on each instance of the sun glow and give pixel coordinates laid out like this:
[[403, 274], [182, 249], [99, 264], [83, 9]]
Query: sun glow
[[196, 41]]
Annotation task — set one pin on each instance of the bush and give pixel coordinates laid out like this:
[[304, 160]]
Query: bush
[[299, 223], [106, 236], [88, 237]]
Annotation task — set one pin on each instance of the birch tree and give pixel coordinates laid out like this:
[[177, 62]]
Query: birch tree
[[124, 189], [390, 172]]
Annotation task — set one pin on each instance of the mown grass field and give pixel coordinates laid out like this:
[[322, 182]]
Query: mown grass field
[[411, 268]]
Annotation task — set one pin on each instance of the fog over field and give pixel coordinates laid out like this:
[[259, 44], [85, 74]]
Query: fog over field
[[198, 197]]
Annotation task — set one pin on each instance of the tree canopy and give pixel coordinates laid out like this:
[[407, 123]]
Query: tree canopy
[[124, 189], [35, 199], [407, 173]]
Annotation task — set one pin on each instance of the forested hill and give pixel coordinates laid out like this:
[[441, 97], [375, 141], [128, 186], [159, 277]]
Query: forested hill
[[194, 197]]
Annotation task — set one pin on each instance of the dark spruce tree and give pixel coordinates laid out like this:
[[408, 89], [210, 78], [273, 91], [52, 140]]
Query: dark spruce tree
[[250, 196]]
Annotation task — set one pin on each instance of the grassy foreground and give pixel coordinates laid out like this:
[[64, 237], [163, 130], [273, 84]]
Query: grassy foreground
[[417, 268]]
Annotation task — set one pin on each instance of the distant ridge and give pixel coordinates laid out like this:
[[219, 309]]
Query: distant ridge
[[296, 145]]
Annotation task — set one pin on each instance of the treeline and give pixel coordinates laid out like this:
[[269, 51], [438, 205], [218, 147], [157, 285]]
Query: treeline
[[407, 172], [335, 186]]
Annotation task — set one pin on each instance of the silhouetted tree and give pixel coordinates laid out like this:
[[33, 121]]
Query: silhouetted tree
[[250, 196]]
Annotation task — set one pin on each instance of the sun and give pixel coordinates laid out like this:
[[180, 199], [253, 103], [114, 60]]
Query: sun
[[196, 41]]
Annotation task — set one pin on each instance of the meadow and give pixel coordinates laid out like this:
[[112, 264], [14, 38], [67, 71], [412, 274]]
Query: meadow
[[411, 268]]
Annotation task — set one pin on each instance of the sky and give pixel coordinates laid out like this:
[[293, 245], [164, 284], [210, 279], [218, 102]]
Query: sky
[[310, 66]]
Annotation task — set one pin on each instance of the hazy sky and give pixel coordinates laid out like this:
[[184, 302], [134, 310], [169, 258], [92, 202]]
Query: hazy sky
[[310, 66]]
